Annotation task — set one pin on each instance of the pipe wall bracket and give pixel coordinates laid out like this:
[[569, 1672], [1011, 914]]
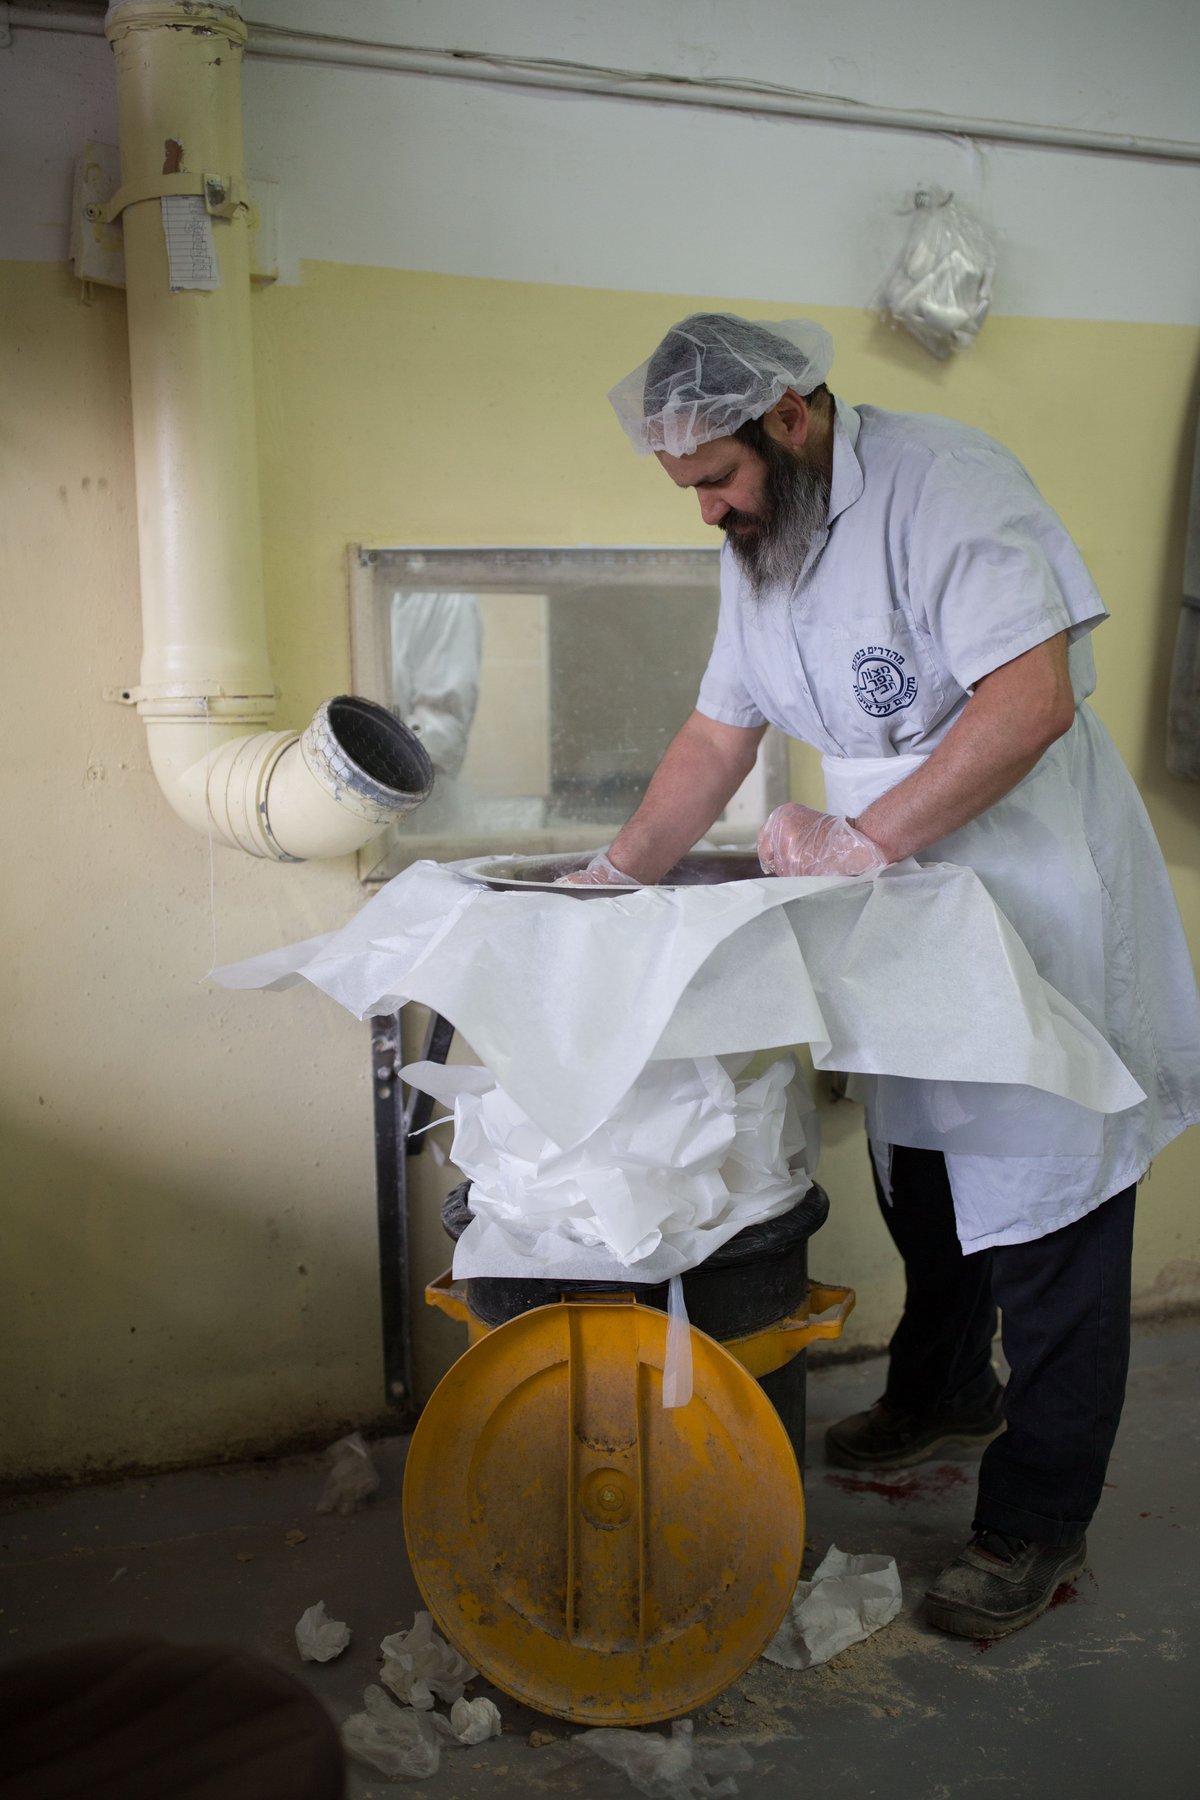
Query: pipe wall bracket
[[222, 195]]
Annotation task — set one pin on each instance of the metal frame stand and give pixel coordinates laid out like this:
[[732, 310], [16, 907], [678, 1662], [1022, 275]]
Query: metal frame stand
[[400, 1114]]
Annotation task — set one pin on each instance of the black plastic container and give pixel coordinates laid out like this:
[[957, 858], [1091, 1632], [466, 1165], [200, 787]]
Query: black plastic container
[[752, 1282]]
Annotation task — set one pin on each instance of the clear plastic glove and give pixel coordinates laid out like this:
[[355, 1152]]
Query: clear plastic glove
[[600, 872], [668, 1768], [393, 1739], [796, 840]]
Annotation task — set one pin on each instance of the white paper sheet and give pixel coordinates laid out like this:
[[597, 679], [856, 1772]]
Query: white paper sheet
[[689, 1157], [914, 974]]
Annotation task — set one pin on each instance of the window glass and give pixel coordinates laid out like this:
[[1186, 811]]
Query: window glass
[[545, 684]]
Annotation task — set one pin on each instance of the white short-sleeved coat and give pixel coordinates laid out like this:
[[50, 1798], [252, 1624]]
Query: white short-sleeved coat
[[940, 563]]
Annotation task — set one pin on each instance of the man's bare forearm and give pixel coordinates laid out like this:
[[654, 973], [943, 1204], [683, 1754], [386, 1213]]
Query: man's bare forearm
[[1011, 719], [704, 765]]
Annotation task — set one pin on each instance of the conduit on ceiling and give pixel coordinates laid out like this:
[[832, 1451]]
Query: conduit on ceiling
[[761, 98]]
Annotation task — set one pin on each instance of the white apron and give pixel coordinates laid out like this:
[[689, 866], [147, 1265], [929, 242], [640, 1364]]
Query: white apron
[[1072, 863], [942, 563]]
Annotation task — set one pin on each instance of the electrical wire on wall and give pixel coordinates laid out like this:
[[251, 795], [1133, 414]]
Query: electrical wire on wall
[[283, 44]]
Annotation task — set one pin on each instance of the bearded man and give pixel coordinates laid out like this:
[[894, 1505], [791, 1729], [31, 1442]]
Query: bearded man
[[895, 592]]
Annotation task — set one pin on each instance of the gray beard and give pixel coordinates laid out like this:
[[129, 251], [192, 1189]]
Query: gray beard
[[774, 551]]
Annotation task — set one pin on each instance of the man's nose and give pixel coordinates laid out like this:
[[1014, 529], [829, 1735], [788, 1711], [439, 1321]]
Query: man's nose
[[712, 508]]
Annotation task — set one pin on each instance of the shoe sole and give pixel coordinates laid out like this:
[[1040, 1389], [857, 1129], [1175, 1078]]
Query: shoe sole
[[960, 1621], [908, 1459]]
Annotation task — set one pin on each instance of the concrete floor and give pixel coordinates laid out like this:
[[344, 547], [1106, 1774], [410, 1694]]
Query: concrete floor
[[1100, 1695]]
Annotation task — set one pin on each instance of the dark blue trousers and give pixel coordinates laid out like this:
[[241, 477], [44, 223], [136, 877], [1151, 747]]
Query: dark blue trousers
[[1063, 1302]]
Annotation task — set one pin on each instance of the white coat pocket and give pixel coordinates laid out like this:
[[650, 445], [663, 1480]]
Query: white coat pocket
[[881, 685]]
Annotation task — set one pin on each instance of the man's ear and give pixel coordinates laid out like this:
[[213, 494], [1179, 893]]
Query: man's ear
[[788, 420]]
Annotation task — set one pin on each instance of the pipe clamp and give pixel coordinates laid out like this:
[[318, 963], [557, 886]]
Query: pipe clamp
[[222, 195], [195, 700]]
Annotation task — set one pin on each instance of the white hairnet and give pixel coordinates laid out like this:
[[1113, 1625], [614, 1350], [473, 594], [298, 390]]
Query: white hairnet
[[711, 373]]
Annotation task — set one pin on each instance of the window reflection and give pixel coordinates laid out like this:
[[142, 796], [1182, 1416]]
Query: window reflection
[[544, 684]]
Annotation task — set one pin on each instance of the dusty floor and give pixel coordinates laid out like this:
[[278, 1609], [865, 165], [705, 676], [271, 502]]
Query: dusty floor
[[1100, 1695]]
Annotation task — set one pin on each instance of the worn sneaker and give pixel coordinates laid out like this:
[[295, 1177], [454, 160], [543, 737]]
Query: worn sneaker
[[1000, 1582], [887, 1438]]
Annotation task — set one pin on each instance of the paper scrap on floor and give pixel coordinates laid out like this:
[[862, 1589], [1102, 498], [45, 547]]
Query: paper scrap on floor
[[848, 1598], [318, 1638]]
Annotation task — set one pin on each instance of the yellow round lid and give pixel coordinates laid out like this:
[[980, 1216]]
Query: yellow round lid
[[594, 1554]]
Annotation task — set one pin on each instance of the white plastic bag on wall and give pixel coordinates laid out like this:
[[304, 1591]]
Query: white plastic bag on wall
[[941, 286]]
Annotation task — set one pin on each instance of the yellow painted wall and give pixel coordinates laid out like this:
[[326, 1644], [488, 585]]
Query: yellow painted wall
[[189, 1264]]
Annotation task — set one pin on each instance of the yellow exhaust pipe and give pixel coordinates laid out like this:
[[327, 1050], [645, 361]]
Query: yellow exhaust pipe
[[206, 690]]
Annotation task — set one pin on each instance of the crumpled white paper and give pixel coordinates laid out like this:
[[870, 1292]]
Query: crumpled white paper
[[352, 1476], [419, 1666], [470, 1721], [915, 973], [669, 1768], [319, 1639], [848, 1598], [688, 1158]]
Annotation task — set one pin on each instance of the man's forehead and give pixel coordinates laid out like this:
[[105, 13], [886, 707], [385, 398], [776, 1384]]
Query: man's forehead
[[718, 456]]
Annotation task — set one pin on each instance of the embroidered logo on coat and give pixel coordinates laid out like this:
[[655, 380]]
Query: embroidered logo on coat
[[880, 684]]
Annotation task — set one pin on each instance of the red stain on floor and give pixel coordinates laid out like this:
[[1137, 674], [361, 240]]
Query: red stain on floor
[[906, 1484]]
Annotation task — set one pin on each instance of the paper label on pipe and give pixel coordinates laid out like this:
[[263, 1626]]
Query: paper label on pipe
[[191, 253]]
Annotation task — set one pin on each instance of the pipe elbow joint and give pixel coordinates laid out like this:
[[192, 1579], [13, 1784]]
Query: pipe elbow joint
[[291, 796]]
